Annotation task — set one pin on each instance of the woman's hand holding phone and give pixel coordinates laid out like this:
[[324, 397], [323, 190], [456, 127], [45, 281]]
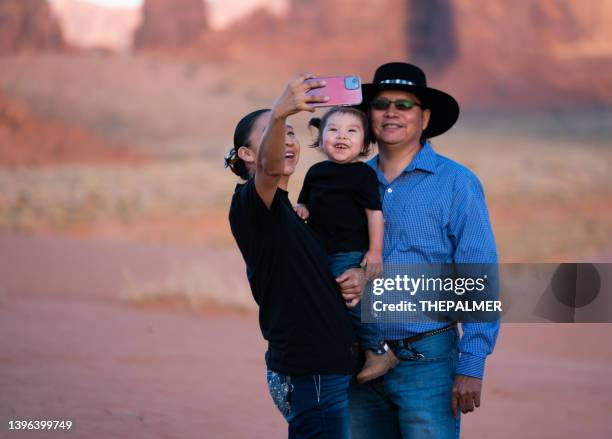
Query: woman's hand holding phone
[[271, 152], [295, 97]]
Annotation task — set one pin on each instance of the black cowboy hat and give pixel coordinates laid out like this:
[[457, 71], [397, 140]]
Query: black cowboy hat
[[403, 76]]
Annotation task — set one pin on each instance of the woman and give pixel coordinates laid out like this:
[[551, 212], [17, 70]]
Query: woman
[[312, 351]]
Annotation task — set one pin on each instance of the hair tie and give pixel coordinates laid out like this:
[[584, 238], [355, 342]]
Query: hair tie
[[315, 122], [231, 158]]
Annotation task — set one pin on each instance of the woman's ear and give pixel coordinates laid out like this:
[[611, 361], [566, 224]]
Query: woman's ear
[[246, 154]]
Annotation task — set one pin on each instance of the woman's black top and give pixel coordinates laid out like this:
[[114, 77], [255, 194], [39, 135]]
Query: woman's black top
[[337, 196], [301, 312]]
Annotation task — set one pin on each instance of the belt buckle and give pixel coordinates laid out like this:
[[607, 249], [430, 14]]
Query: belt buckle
[[401, 344], [413, 351]]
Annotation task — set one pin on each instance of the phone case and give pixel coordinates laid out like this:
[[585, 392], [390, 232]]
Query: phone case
[[342, 91]]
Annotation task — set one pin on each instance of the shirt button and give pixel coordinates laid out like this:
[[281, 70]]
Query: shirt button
[[389, 190]]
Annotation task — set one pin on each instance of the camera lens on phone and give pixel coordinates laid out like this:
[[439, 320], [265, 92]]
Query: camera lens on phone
[[352, 82]]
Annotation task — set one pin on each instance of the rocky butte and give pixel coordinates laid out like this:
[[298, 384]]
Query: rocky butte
[[28, 24], [170, 24]]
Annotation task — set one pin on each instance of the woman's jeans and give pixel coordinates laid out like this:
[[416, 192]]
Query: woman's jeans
[[366, 332], [315, 406]]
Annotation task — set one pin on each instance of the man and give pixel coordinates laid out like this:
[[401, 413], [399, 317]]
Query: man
[[435, 213]]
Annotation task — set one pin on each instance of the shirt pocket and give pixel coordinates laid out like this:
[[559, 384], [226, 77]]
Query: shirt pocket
[[423, 231]]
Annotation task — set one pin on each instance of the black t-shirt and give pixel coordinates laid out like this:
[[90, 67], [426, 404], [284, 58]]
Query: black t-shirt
[[336, 196], [301, 311]]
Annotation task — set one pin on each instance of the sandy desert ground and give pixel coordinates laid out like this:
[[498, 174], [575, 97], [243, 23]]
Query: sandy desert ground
[[80, 351]]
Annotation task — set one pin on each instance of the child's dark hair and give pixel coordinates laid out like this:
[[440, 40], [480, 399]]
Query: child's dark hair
[[241, 138], [320, 123]]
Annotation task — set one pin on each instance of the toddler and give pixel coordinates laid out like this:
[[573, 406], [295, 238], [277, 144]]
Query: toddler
[[341, 202]]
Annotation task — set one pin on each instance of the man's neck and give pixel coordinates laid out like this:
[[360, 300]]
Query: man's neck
[[392, 160]]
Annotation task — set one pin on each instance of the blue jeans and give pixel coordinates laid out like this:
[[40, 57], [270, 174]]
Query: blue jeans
[[413, 400], [366, 332], [315, 406]]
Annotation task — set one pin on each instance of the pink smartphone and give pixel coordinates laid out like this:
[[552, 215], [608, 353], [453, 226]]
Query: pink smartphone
[[342, 91]]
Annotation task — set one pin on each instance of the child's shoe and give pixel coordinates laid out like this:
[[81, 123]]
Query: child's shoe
[[376, 365]]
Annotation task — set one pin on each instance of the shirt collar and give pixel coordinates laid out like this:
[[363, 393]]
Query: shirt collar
[[424, 160]]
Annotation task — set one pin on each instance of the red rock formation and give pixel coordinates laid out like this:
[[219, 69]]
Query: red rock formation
[[28, 24], [348, 19], [539, 53], [532, 53], [170, 24], [89, 25], [431, 35], [536, 53], [26, 141], [325, 37]]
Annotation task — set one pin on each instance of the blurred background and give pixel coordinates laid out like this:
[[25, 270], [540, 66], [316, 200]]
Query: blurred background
[[115, 116]]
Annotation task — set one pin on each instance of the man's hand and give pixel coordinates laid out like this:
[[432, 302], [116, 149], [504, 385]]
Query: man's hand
[[466, 394], [351, 284]]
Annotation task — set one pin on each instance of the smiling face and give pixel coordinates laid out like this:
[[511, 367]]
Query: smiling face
[[343, 137], [292, 145], [292, 151], [394, 127]]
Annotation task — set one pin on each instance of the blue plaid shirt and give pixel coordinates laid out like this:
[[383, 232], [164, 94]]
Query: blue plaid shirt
[[435, 212]]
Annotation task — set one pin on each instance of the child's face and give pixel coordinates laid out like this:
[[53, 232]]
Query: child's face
[[343, 137]]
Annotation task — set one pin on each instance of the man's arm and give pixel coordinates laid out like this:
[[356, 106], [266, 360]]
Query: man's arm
[[477, 342], [470, 229]]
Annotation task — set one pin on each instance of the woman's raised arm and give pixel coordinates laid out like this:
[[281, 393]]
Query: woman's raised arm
[[271, 152]]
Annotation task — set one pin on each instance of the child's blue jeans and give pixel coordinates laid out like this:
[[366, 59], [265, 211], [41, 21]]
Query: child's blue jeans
[[366, 332]]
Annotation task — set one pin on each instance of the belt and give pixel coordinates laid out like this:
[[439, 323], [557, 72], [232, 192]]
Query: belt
[[406, 342]]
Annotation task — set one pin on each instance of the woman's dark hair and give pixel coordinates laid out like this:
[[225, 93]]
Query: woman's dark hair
[[320, 123], [242, 133]]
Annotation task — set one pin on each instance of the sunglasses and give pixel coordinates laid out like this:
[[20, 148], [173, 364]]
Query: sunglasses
[[400, 104]]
